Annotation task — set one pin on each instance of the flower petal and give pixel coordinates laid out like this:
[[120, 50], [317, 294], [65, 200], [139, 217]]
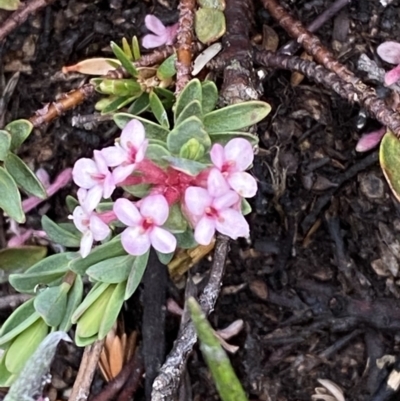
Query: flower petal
[[217, 155], [43, 177], [114, 155], [232, 223], [100, 162], [127, 212], [389, 52], [121, 173], [171, 33], [370, 140], [162, 240], [155, 207], [108, 185], [86, 244], [99, 229], [241, 152], [243, 183], [151, 41], [141, 151], [83, 171], [154, 25], [204, 230], [392, 76], [196, 200], [135, 241], [132, 135], [225, 201], [216, 183], [80, 219], [93, 198]]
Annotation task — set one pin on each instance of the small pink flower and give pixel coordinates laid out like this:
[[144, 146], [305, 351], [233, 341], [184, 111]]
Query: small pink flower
[[232, 161], [164, 35], [144, 225], [92, 227], [126, 153], [94, 176], [215, 209], [370, 140], [390, 52]]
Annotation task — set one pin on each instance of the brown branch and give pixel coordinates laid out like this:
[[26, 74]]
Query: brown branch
[[68, 101], [184, 39], [18, 17], [376, 107]]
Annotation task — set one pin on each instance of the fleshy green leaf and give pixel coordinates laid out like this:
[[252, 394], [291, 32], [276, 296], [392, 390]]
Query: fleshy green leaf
[[17, 318], [389, 156], [186, 240], [127, 49], [245, 207], [140, 105], [120, 87], [60, 235], [139, 190], [136, 274], [113, 270], [192, 150], [167, 68], [9, 5], [135, 48], [5, 143], [6, 377], [19, 130], [167, 97], [24, 176], [190, 167], [158, 110], [209, 25], [71, 203], [117, 104], [10, 199], [165, 258], [175, 223], [209, 96], [153, 130], [74, 299], [226, 381], [188, 129], [224, 137], [156, 153], [192, 91], [11, 334], [236, 116], [192, 109], [21, 258], [124, 59]]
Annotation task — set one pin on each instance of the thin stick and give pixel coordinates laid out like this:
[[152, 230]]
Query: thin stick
[[18, 17]]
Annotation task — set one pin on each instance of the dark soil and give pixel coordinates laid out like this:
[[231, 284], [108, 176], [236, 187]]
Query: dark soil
[[317, 284]]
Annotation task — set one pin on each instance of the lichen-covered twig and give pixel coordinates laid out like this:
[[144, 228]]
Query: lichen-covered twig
[[376, 107], [184, 39]]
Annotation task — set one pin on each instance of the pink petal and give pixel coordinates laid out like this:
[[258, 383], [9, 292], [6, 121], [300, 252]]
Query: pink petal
[[196, 200], [370, 140], [162, 240], [43, 177], [243, 183], [241, 152], [155, 207], [93, 198], [389, 52], [127, 212], [392, 76], [134, 241], [20, 239], [132, 135], [172, 32], [80, 219], [108, 185], [216, 183], [232, 223], [217, 155], [151, 41], [100, 162], [99, 229], [60, 181], [113, 155], [204, 230], [86, 244], [141, 151], [225, 201], [82, 194], [154, 25], [121, 173], [83, 171]]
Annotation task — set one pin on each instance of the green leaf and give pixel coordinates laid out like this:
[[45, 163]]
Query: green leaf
[[21, 258], [158, 110], [156, 153], [124, 59], [176, 222], [139, 190], [127, 49], [17, 318], [113, 270], [9, 5], [224, 137], [6, 377], [190, 167], [209, 96], [51, 304], [71, 203], [135, 48], [140, 105], [24, 176], [245, 207], [192, 109], [236, 116], [54, 263], [167, 68], [117, 104], [186, 240], [120, 87], [136, 274], [10, 200], [25, 345], [112, 310], [165, 258], [153, 130], [209, 25], [192, 91], [389, 156], [102, 252], [19, 130], [166, 96], [192, 150], [188, 129], [226, 381], [5, 143], [60, 235], [74, 299]]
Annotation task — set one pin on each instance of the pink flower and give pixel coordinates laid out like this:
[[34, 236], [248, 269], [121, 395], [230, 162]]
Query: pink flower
[[390, 52], [370, 140], [94, 176], [92, 227], [144, 225], [164, 35], [126, 153], [232, 161], [215, 209]]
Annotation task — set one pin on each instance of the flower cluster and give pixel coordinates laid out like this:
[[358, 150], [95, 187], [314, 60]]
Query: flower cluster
[[210, 201]]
